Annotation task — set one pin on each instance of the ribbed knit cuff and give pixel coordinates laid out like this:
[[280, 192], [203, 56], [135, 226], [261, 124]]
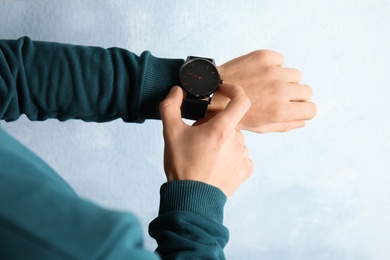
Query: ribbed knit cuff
[[192, 196], [160, 76]]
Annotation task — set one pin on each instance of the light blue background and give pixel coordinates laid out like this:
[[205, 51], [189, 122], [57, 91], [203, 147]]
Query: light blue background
[[321, 192]]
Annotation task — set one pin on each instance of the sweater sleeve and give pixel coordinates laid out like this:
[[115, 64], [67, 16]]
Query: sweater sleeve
[[189, 225], [52, 80], [41, 217]]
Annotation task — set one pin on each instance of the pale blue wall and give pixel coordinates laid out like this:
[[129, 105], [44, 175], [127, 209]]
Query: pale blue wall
[[321, 192]]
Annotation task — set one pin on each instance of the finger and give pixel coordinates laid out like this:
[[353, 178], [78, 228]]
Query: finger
[[170, 108], [205, 119], [245, 152], [240, 137], [236, 108], [300, 111], [282, 127], [248, 169], [290, 75], [279, 58], [298, 92]]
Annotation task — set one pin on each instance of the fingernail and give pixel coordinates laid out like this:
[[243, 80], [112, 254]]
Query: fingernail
[[174, 88]]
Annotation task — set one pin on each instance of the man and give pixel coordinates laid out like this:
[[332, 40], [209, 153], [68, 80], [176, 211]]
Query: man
[[42, 217]]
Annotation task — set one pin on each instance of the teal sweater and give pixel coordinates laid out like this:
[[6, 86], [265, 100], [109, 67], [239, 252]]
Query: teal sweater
[[41, 216]]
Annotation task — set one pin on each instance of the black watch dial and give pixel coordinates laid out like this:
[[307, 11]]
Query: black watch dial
[[199, 77]]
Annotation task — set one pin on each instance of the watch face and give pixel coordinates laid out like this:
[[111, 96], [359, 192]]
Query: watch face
[[199, 77]]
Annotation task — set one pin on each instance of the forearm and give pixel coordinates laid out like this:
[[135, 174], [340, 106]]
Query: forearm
[[51, 80], [190, 219]]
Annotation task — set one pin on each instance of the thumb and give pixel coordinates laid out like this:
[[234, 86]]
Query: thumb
[[236, 108], [170, 108]]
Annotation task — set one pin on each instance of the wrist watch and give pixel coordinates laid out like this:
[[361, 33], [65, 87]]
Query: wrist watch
[[199, 78]]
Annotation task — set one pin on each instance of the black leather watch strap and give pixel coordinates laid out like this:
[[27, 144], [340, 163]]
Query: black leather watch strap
[[195, 57], [193, 108]]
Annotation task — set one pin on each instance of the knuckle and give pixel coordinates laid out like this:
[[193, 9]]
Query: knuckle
[[240, 138], [248, 165], [271, 57], [249, 169], [165, 103], [260, 54], [266, 56]]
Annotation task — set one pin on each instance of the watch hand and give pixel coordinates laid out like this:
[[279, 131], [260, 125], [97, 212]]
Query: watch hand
[[193, 75]]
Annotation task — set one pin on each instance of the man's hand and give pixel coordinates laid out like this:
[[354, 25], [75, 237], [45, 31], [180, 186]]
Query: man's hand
[[279, 103], [213, 150]]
